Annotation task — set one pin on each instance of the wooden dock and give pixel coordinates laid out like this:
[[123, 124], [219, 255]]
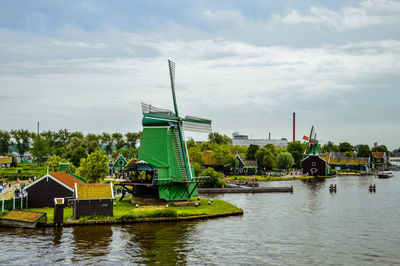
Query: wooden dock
[[246, 190]]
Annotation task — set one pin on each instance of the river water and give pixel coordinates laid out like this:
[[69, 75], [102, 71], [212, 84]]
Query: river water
[[309, 227]]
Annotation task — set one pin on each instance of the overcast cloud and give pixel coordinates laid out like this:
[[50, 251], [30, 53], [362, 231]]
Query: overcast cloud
[[87, 65]]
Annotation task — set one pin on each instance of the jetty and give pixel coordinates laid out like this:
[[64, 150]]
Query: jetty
[[246, 190]]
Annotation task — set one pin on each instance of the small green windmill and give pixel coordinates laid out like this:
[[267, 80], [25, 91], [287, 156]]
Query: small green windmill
[[313, 146], [163, 154]]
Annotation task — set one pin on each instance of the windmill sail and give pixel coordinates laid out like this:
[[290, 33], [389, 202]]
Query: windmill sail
[[197, 124], [148, 108], [312, 133]]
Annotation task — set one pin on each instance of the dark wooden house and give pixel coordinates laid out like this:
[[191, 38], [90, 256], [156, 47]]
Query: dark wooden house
[[245, 167], [93, 199], [42, 192], [314, 165]]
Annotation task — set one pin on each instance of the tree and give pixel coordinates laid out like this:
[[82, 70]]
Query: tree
[[54, 163], [76, 155], [345, 146], [128, 153], [296, 149], [40, 149], [62, 138], [91, 142], [94, 167], [76, 134], [284, 160], [215, 178], [118, 140], [106, 140], [381, 148], [14, 161], [363, 151], [329, 147], [272, 148], [197, 168], [51, 137], [349, 154], [190, 143], [217, 138], [74, 142], [251, 152], [5, 142], [22, 139], [195, 155], [265, 158], [132, 138], [222, 155]]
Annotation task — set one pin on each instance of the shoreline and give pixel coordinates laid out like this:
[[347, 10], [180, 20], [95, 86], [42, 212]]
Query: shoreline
[[146, 220]]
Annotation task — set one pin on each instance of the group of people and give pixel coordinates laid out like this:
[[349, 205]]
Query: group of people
[[5, 186], [19, 187]]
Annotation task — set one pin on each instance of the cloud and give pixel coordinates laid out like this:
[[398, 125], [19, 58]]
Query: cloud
[[366, 14], [237, 84]]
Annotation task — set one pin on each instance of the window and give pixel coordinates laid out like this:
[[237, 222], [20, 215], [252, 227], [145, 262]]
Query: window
[[121, 163], [313, 163]]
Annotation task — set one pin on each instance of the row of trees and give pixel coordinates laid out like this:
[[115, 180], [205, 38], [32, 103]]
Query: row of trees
[[361, 150], [69, 145], [76, 148]]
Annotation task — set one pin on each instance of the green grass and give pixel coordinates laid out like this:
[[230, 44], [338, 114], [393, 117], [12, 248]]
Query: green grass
[[124, 210]]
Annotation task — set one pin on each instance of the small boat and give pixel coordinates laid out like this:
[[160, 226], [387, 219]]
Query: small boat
[[243, 184], [385, 174]]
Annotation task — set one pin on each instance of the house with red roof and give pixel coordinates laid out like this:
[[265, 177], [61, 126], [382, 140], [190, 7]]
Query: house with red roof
[[61, 184], [381, 159]]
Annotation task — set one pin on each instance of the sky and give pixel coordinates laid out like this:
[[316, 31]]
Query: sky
[[247, 65]]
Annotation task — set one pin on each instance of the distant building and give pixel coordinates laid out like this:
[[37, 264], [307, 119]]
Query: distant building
[[117, 164], [315, 165], [381, 160], [243, 140], [340, 162], [5, 162], [245, 167]]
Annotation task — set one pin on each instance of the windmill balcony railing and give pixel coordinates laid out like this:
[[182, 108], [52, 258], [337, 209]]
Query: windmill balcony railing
[[162, 181]]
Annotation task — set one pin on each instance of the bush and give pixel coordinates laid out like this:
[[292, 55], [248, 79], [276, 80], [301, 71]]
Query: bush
[[215, 178]]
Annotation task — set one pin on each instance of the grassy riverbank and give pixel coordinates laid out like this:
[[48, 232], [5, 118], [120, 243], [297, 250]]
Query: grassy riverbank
[[125, 211]]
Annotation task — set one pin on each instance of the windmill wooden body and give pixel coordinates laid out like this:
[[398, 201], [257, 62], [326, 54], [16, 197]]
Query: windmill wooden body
[[163, 170]]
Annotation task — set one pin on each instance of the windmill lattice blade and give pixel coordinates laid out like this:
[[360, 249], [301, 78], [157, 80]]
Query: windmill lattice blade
[[312, 132], [197, 124], [148, 108], [172, 70], [196, 127]]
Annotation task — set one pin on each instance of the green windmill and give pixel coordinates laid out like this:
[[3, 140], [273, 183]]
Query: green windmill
[[313, 146], [163, 169]]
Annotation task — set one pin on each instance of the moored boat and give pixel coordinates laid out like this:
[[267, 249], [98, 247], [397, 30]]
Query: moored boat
[[385, 174]]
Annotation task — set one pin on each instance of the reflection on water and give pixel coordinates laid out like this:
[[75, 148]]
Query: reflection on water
[[309, 227], [93, 240], [159, 242]]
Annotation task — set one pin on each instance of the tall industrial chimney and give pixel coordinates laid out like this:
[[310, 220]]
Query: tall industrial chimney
[[294, 126]]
